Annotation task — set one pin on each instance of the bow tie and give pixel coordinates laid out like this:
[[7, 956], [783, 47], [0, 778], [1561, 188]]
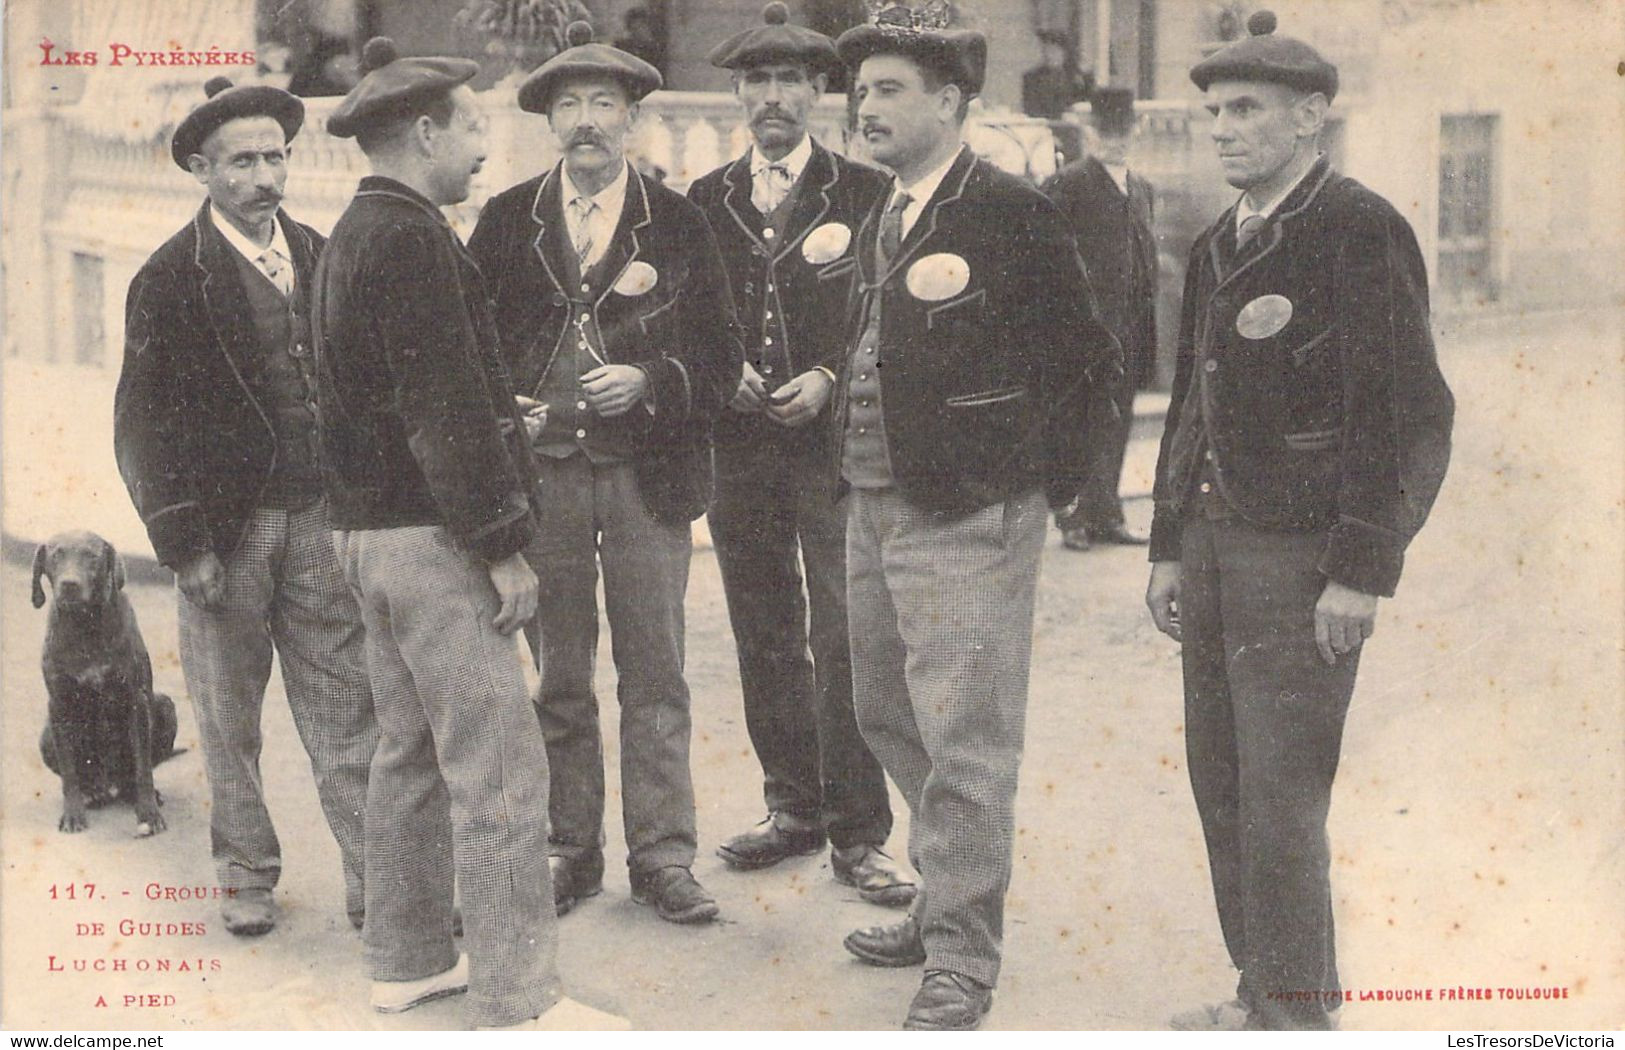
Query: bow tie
[[771, 185]]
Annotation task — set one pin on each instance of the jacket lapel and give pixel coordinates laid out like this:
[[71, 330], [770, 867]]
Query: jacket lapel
[[304, 251], [1267, 240], [548, 244], [737, 199], [818, 180], [948, 191], [624, 245], [223, 298]]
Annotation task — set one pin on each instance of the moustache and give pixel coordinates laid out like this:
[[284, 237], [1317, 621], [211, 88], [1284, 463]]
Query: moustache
[[585, 138], [266, 198]]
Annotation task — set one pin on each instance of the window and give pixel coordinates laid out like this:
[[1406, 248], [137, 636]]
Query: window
[[89, 337], [1467, 209]]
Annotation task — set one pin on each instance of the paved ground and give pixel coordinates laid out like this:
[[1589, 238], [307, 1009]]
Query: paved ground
[[1477, 825]]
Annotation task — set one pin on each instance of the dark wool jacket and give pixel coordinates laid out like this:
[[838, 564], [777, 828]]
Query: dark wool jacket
[[679, 329], [192, 425], [409, 381], [799, 283], [1308, 363], [994, 365], [1119, 250]]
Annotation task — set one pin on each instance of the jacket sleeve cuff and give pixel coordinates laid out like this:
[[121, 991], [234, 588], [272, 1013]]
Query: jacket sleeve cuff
[[179, 534], [503, 539], [1364, 557], [669, 387], [1166, 536]]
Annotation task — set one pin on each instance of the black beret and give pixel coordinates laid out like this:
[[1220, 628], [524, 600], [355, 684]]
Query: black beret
[[958, 55], [1111, 109], [228, 103], [1272, 59], [776, 40], [393, 85], [583, 58]]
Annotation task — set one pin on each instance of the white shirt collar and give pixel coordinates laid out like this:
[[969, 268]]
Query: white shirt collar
[[921, 190], [247, 248], [795, 162], [610, 200], [1245, 211]]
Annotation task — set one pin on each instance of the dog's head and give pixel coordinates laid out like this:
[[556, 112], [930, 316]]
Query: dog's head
[[83, 568]]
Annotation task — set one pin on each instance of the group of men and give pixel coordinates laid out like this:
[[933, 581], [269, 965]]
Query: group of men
[[387, 453]]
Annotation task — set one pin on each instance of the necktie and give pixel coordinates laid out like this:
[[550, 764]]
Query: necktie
[[1249, 227], [771, 187], [275, 267], [891, 229], [583, 207]]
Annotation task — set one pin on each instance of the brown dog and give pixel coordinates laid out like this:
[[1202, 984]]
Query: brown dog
[[107, 729]]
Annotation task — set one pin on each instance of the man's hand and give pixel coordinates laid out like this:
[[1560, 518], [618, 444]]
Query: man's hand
[[533, 414], [203, 581], [1344, 617], [516, 586], [752, 393], [799, 401], [613, 389], [1162, 598]]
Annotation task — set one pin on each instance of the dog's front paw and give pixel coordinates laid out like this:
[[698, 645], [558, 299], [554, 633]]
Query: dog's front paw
[[149, 824], [73, 821]]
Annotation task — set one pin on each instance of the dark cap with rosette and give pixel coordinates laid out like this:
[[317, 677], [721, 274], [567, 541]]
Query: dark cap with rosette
[[393, 87], [959, 56], [584, 58], [776, 40], [1267, 58], [229, 103]]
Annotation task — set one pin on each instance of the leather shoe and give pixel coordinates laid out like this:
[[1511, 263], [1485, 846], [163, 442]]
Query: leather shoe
[[767, 843], [948, 1002], [575, 879], [895, 945], [876, 876], [250, 913], [394, 997], [676, 895], [1075, 539], [1119, 534]]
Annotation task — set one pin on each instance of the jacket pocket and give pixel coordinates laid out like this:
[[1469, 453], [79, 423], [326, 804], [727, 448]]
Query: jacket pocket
[[940, 314], [1313, 440], [839, 268], [983, 398], [1301, 354]]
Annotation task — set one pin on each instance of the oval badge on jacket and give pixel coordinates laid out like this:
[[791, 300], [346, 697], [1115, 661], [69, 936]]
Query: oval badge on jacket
[[938, 277], [827, 243], [637, 279], [1264, 316]]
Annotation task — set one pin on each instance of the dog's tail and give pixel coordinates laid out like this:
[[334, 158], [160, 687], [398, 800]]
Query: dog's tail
[[164, 727]]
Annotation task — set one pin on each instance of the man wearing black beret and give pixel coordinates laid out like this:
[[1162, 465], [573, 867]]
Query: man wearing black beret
[[612, 309], [785, 214], [215, 433], [1111, 209], [430, 480], [1307, 437], [975, 359]]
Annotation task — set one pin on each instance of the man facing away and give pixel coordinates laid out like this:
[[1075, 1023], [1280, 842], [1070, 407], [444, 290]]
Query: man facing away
[[1307, 437], [785, 215], [612, 309], [214, 426], [964, 403], [430, 484], [1110, 209]]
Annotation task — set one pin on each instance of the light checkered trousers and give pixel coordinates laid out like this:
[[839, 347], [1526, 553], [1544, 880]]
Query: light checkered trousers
[[941, 618], [459, 779], [283, 588]]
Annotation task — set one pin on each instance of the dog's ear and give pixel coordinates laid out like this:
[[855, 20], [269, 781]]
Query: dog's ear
[[115, 569], [39, 570]]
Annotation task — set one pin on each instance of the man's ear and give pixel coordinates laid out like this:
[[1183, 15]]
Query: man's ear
[[820, 83], [198, 165], [40, 556], [1311, 114]]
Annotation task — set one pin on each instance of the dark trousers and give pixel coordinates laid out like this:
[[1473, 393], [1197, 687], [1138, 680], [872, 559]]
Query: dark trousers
[[592, 516], [769, 504], [1263, 729], [1099, 505]]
